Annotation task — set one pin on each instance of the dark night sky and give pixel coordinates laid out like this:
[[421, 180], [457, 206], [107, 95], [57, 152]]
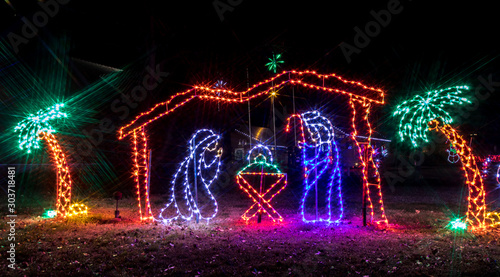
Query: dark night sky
[[424, 46]]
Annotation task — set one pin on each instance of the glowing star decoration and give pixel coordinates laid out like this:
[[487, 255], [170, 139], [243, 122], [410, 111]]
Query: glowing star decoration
[[320, 158], [220, 84], [193, 178], [77, 209], [361, 97], [430, 110], [32, 127], [261, 169], [415, 113], [274, 62], [453, 157], [35, 128]]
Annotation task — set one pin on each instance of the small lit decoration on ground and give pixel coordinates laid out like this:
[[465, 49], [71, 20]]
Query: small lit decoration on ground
[[274, 62], [458, 225], [262, 169], [36, 127], [199, 169], [485, 169], [78, 209], [361, 98], [453, 157], [426, 113], [320, 158], [49, 214]]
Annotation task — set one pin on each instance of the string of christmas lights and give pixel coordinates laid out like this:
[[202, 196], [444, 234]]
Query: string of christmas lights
[[490, 158], [262, 167], [372, 186], [201, 166], [418, 111], [141, 168], [318, 149], [260, 89], [453, 157], [330, 83], [77, 209], [36, 127], [493, 219], [498, 175]]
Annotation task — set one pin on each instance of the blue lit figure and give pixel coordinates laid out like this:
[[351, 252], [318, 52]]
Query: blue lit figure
[[320, 159], [191, 182]]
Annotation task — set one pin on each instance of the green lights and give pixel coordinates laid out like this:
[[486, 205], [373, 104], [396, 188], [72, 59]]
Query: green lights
[[35, 124], [417, 112], [274, 62], [49, 214], [458, 225]]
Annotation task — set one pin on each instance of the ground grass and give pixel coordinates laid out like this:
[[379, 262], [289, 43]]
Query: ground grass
[[417, 244]]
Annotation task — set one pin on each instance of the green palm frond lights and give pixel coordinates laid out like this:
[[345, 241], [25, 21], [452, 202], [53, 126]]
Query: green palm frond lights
[[31, 127], [415, 113]]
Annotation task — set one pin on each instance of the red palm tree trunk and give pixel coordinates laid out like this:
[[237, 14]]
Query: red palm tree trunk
[[476, 210], [63, 175]]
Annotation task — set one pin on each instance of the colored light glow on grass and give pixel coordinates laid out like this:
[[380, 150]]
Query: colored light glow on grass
[[320, 160], [204, 159]]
